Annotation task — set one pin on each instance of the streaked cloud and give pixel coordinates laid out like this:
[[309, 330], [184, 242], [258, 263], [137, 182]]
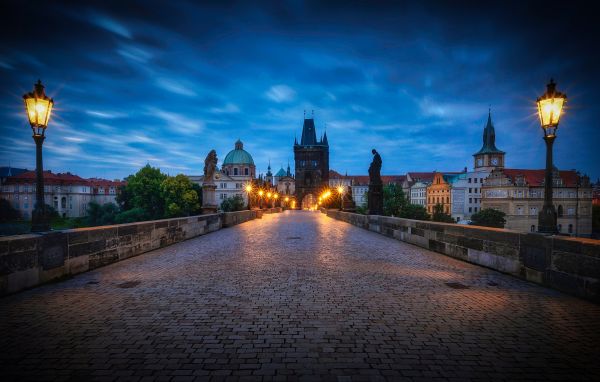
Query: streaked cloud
[[281, 93]]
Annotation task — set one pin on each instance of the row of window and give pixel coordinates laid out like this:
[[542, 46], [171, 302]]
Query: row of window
[[31, 189], [236, 171], [438, 199]]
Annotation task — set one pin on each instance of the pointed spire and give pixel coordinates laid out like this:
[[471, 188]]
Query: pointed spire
[[324, 140], [489, 137]]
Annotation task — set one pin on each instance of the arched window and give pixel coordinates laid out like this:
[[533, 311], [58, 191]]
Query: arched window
[[235, 171], [570, 228], [560, 211]]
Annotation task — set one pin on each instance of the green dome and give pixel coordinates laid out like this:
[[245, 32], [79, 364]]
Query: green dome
[[281, 173], [238, 155]]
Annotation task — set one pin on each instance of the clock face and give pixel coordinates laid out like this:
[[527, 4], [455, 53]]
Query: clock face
[[479, 162], [495, 161]]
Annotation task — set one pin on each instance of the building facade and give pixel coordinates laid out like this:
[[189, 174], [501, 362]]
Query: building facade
[[237, 170], [284, 182], [519, 193], [438, 192], [311, 158], [67, 193]]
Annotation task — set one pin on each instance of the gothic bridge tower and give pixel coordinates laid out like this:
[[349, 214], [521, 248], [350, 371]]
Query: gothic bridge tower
[[311, 158]]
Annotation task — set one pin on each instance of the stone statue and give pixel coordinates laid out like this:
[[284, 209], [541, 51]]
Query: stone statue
[[210, 166], [209, 200], [375, 195], [375, 168]]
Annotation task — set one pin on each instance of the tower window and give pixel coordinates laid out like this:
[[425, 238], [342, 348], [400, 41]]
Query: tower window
[[235, 171]]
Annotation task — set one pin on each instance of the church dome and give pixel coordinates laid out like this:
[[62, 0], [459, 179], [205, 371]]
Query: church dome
[[238, 155]]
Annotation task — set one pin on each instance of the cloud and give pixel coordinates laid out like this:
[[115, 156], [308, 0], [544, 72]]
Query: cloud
[[229, 108], [281, 93], [177, 122], [110, 24], [105, 114], [175, 86]]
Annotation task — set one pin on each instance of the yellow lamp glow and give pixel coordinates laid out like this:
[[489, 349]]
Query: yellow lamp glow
[[340, 189], [276, 196], [268, 194], [260, 192], [38, 106], [550, 106], [248, 188], [287, 199]]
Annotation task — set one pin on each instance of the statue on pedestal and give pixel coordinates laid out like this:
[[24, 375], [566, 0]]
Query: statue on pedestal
[[375, 195], [209, 201]]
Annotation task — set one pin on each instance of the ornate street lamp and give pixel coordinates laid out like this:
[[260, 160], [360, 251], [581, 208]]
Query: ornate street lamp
[[550, 106], [39, 107], [260, 195], [248, 193], [340, 191], [275, 197]]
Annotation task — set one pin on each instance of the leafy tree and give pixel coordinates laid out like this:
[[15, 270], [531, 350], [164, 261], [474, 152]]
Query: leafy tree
[[179, 196], [101, 214], [233, 204], [143, 190], [7, 211], [125, 197], [131, 216], [489, 217], [414, 211], [440, 216], [394, 201], [196, 187]]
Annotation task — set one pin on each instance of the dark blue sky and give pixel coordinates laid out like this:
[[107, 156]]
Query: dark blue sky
[[165, 82]]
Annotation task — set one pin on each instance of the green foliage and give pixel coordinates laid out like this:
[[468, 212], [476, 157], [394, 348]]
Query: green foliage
[[179, 196], [415, 211], [143, 190], [124, 198], [440, 216], [489, 217], [361, 209], [394, 201], [131, 216], [101, 214], [233, 204], [7, 211]]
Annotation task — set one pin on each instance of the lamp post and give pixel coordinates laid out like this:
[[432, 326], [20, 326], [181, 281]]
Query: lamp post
[[275, 197], [550, 106], [39, 107], [248, 193], [340, 190], [260, 195]]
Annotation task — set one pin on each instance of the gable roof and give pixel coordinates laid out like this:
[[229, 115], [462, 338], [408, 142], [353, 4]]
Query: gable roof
[[570, 178]]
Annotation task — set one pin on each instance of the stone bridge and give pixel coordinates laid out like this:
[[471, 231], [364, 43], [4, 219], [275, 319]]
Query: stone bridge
[[296, 296]]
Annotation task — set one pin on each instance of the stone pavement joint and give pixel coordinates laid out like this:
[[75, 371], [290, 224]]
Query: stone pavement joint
[[334, 303]]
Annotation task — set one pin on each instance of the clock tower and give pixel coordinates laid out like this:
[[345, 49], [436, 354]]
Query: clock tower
[[489, 157]]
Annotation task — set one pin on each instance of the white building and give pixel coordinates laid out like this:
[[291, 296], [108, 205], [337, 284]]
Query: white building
[[236, 172], [69, 194]]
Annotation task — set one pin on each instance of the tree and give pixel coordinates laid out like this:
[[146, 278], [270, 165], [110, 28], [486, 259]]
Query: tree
[[179, 196], [101, 214], [124, 197], [233, 204], [414, 211], [440, 216], [394, 201], [7, 211], [489, 217], [143, 190]]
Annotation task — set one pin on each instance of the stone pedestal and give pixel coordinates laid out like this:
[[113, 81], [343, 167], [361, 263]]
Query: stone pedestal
[[375, 199], [209, 199]]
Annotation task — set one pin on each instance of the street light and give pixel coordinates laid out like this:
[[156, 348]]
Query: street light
[[39, 107], [248, 192], [340, 190], [275, 197], [550, 106], [260, 194]]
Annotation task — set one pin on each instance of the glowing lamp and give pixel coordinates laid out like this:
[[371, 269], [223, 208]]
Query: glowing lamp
[[550, 106], [248, 188], [260, 192], [268, 195], [340, 189], [287, 199], [276, 196], [39, 107]]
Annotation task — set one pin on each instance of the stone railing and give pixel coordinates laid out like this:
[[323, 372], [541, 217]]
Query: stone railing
[[568, 264], [34, 259]]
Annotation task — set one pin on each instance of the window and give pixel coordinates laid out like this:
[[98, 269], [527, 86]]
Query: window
[[469, 180], [533, 211], [570, 228], [470, 191], [560, 211], [532, 229], [25, 205], [246, 171], [470, 200], [235, 171], [570, 211], [470, 209], [475, 209], [519, 210], [474, 180], [560, 228]]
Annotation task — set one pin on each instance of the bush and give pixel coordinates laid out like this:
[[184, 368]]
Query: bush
[[489, 217], [440, 216], [7, 212], [101, 214], [233, 204], [415, 211], [130, 216]]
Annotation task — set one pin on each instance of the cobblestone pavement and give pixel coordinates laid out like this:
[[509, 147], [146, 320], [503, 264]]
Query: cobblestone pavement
[[296, 296]]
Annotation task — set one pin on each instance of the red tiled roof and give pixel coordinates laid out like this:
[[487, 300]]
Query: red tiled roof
[[425, 176], [536, 177], [62, 179]]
